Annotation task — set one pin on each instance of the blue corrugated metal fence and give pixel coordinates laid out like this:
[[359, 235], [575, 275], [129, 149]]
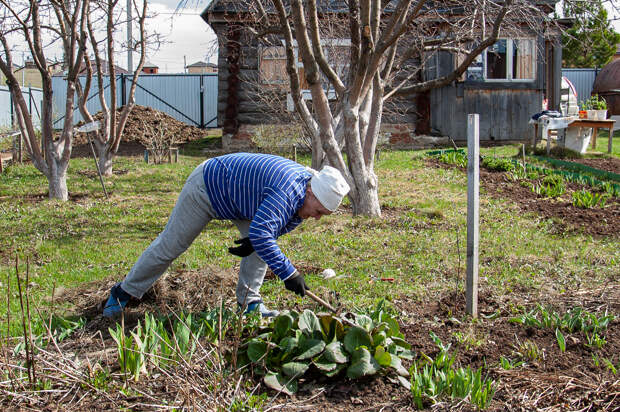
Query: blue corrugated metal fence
[[33, 97], [582, 79], [190, 98]]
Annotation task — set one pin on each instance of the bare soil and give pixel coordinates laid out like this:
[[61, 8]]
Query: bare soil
[[567, 218], [611, 164]]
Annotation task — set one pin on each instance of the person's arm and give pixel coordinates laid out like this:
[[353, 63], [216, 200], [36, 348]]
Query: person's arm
[[272, 216]]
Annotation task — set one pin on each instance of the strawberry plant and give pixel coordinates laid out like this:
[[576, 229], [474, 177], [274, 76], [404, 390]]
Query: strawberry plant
[[299, 344]]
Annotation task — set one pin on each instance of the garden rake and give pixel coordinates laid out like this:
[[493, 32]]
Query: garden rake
[[335, 311]]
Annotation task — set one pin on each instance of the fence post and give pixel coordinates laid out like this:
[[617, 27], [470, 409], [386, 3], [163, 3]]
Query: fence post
[[473, 213], [202, 102], [11, 106], [123, 102]]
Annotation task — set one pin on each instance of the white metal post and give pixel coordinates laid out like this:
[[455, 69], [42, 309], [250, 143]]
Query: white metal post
[[473, 212]]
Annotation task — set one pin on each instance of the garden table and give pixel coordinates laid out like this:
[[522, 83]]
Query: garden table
[[558, 123], [595, 125]]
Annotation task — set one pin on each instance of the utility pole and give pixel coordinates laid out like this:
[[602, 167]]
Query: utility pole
[[23, 67], [184, 64], [129, 39]]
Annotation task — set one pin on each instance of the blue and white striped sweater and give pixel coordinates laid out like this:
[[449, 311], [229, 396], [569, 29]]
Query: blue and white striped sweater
[[265, 189]]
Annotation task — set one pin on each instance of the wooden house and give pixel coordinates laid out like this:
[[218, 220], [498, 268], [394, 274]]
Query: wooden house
[[506, 85]]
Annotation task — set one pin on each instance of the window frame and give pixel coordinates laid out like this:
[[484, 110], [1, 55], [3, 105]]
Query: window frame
[[261, 58], [509, 64]]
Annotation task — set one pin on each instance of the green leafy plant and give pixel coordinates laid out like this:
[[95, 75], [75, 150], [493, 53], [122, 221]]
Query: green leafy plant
[[585, 199], [597, 102], [610, 365], [160, 341], [610, 189], [528, 350], [559, 336], [508, 364], [499, 164], [130, 351], [586, 104], [295, 344], [575, 320], [59, 327], [548, 190], [454, 158], [438, 378]]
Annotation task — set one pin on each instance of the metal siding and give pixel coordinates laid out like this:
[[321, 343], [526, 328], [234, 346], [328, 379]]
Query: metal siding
[[176, 95], [210, 100], [33, 97], [582, 79], [5, 107]]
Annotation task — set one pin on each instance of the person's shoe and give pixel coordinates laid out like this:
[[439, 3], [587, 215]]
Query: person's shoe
[[116, 302], [262, 309]]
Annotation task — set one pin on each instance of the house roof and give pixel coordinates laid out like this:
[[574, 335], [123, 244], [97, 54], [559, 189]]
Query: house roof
[[326, 6], [201, 64], [149, 64], [104, 64]]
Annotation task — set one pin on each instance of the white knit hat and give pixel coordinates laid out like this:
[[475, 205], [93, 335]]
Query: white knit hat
[[329, 187]]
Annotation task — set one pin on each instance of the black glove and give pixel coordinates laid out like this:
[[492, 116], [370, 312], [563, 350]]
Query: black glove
[[297, 284], [244, 249]]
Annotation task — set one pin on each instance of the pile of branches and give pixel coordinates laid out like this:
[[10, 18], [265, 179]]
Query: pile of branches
[[135, 131]]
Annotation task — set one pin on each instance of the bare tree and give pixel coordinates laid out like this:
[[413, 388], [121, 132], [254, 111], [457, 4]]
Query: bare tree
[[157, 139], [108, 137], [390, 46], [37, 23]]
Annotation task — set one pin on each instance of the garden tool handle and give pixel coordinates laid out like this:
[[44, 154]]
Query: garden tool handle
[[321, 301]]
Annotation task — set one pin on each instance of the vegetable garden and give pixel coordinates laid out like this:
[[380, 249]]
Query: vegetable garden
[[547, 336]]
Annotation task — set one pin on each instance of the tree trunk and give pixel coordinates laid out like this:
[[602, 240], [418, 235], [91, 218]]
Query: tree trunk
[[57, 180], [106, 162], [365, 200], [317, 153]]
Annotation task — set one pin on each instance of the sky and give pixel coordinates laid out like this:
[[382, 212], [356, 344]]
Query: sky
[[189, 39]]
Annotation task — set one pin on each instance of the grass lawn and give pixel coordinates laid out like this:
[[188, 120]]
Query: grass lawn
[[602, 141], [420, 240]]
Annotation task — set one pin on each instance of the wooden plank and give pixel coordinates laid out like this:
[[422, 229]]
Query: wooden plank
[[473, 212]]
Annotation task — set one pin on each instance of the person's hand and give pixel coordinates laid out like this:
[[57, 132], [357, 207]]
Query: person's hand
[[244, 249], [296, 284]]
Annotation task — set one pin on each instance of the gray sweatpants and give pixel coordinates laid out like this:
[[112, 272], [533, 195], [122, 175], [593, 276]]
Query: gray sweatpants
[[190, 215]]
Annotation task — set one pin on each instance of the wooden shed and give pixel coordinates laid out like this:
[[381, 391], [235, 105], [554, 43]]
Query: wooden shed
[[506, 85]]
